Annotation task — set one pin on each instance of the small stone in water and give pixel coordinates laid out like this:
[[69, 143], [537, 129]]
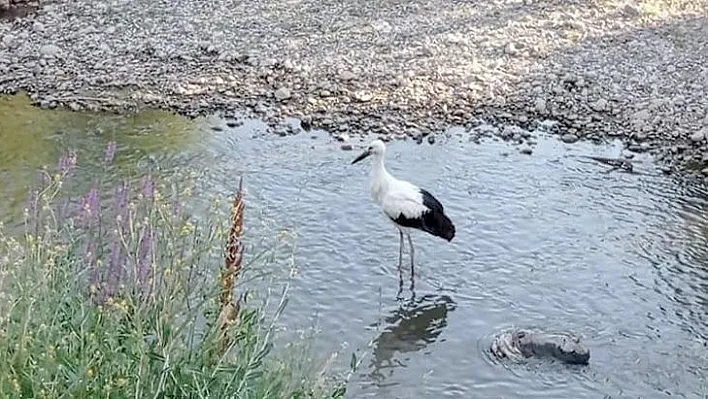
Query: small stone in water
[[569, 138], [431, 139], [346, 147], [526, 150], [306, 123]]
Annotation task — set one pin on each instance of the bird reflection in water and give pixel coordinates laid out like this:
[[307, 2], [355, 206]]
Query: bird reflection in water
[[410, 328]]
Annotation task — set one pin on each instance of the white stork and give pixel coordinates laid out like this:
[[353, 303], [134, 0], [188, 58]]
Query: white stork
[[406, 205]]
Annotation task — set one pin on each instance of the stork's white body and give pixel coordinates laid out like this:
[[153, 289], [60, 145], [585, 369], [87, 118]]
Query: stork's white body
[[406, 205], [395, 196]]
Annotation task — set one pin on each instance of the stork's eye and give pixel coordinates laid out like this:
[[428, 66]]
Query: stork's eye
[[371, 148]]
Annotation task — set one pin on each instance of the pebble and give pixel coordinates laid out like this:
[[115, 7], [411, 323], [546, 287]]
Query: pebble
[[510, 49], [569, 138], [49, 50], [698, 136], [526, 150], [431, 139], [599, 105], [540, 105], [346, 147], [282, 94], [7, 40], [346, 75]]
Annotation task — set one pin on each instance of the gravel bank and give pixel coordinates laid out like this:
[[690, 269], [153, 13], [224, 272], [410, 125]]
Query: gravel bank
[[637, 70]]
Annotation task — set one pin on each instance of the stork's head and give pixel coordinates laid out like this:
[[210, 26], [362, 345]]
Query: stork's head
[[377, 148]]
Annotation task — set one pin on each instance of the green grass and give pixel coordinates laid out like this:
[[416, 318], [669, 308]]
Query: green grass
[[126, 296]]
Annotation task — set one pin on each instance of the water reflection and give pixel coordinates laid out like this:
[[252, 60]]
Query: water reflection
[[414, 325]]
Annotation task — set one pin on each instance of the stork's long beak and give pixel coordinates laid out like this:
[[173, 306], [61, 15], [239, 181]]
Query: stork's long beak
[[361, 156]]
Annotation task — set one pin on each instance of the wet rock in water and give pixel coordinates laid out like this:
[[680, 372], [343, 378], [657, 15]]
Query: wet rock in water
[[526, 150], [627, 154], [569, 138], [346, 147], [306, 123], [217, 128], [521, 343], [431, 139]]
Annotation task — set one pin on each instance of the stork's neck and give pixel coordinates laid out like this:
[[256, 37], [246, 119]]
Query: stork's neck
[[380, 178]]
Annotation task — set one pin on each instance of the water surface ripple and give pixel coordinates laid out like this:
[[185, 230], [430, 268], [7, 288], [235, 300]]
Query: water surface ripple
[[546, 241]]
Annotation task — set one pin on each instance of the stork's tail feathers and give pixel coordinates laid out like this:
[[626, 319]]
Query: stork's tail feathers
[[447, 229], [438, 224]]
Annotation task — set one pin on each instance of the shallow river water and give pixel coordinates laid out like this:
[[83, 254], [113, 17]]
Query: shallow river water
[[544, 240]]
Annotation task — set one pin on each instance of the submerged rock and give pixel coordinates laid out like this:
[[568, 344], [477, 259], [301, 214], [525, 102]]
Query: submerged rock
[[520, 343]]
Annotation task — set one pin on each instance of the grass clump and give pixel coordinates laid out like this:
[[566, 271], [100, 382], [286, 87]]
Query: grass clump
[[130, 296]]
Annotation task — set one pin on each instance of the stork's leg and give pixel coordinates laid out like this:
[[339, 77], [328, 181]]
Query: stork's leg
[[410, 243], [400, 251]]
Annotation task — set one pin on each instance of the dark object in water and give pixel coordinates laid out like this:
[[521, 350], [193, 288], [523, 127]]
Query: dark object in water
[[519, 343], [616, 163]]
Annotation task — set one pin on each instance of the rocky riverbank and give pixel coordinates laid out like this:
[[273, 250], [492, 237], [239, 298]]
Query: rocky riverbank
[[637, 70]]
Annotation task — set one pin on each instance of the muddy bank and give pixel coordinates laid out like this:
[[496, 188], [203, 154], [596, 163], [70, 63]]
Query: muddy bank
[[634, 70]]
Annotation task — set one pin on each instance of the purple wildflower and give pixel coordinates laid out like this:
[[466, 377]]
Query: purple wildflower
[[120, 204], [67, 162], [145, 259], [89, 207], [148, 187], [91, 261], [115, 267], [33, 202], [110, 152]]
